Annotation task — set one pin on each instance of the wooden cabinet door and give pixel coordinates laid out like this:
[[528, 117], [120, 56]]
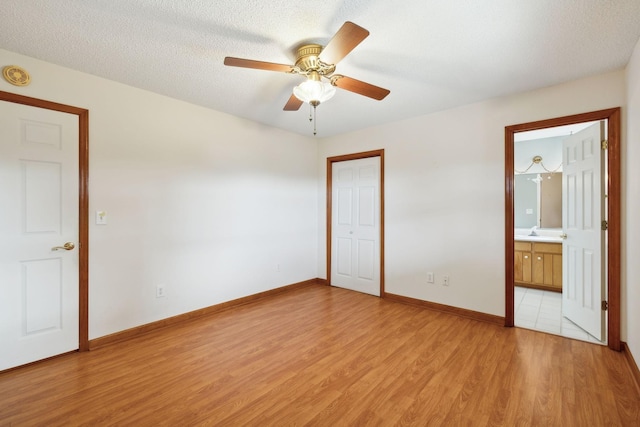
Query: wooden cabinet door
[[557, 271], [517, 266], [538, 268], [522, 270], [522, 261], [526, 266], [548, 269]]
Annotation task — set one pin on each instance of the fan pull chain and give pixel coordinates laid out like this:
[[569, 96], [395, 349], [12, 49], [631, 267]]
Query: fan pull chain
[[313, 104], [314, 121]]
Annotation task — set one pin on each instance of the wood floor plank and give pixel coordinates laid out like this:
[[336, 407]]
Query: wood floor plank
[[324, 356]]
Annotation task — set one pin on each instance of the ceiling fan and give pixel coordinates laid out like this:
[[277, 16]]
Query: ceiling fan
[[316, 62]]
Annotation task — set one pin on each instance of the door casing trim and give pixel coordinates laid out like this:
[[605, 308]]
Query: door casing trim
[[613, 190], [83, 194], [343, 158]]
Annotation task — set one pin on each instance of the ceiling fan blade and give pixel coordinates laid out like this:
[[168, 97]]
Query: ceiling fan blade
[[348, 37], [361, 88], [258, 65], [293, 104]]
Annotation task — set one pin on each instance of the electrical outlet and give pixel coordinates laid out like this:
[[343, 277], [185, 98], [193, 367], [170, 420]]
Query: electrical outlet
[[160, 291], [445, 280], [430, 278]]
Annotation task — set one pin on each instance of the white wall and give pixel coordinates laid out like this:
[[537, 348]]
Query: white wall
[[209, 204], [631, 239], [205, 203], [444, 189]]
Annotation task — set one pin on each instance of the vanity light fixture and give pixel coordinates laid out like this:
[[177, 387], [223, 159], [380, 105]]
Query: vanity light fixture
[[537, 160]]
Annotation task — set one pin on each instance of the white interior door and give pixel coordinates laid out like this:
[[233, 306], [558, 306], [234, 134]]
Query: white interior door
[[39, 211], [583, 209], [355, 243]]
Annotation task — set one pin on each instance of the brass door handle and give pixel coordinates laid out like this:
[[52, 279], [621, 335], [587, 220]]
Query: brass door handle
[[67, 247]]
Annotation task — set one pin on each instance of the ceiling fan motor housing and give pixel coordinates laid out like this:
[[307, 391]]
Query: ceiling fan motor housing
[[307, 59]]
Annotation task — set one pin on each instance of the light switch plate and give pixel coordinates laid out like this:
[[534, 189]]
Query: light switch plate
[[101, 217]]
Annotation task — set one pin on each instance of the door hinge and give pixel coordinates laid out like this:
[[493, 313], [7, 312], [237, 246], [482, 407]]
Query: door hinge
[[605, 305], [605, 144], [605, 225]]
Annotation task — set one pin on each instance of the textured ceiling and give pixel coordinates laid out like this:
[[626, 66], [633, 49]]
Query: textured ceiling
[[431, 54]]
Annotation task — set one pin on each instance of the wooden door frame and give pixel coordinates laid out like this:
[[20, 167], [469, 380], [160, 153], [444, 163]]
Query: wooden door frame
[[613, 191], [343, 158], [83, 207]]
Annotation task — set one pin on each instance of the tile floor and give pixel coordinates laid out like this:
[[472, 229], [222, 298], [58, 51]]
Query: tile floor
[[542, 311]]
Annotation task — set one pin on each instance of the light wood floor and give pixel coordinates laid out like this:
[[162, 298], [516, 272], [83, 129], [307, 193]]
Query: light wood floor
[[328, 357]]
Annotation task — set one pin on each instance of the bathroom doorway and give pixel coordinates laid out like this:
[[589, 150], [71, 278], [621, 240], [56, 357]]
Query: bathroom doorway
[[546, 271]]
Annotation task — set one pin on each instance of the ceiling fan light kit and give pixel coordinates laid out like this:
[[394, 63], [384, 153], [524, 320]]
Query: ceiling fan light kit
[[313, 90], [316, 62]]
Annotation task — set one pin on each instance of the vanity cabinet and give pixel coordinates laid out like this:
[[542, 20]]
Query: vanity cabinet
[[538, 265]]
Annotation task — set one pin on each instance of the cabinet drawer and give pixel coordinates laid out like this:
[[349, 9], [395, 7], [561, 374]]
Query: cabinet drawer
[[549, 248], [523, 246]]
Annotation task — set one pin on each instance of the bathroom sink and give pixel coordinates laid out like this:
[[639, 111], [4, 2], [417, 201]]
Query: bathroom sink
[[548, 239]]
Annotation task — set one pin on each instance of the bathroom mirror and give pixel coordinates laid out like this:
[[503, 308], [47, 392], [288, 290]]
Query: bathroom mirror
[[538, 200], [538, 181]]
